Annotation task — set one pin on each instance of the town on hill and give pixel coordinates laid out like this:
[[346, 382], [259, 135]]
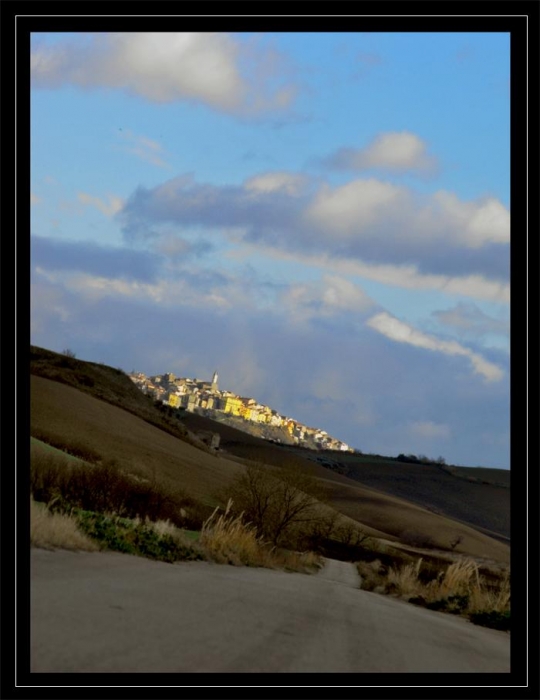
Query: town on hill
[[205, 398]]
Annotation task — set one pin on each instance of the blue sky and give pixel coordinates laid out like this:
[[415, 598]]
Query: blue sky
[[323, 217]]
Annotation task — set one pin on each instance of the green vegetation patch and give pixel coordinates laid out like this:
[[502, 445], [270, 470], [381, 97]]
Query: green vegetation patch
[[134, 537]]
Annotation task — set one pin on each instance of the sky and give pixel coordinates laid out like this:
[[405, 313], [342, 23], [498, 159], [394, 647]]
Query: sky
[[321, 217]]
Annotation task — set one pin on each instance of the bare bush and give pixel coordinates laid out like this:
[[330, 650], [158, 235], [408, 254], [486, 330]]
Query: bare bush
[[282, 505]]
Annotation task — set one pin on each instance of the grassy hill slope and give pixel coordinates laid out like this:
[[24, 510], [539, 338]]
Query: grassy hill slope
[[77, 404]]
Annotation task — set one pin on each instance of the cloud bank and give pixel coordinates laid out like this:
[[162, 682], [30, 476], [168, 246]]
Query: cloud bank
[[202, 67], [437, 241]]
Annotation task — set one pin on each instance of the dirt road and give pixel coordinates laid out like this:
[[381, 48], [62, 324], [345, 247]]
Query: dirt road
[[100, 612]]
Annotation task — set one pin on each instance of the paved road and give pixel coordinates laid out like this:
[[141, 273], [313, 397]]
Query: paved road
[[113, 612]]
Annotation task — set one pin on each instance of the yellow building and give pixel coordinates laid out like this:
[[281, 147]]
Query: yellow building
[[173, 400], [245, 411], [232, 405]]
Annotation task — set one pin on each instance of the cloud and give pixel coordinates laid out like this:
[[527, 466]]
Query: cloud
[[468, 319], [486, 221], [332, 295], [290, 183], [367, 209], [436, 241], [428, 429], [404, 276], [54, 255], [395, 152], [144, 148], [34, 199], [354, 207], [162, 67], [107, 208], [401, 332]]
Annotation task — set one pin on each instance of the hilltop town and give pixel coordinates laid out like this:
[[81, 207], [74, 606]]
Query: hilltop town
[[205, 398]]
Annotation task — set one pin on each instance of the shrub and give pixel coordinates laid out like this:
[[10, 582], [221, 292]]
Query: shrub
[[137, 537], [455, 604], [105, 488], [493, 618], [281, 505]]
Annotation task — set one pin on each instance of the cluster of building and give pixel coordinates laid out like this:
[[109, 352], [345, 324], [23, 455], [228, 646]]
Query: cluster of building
[[200, 396]]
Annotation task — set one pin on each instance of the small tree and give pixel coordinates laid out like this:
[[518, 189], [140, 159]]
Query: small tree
[[277, 502], [69, 353]]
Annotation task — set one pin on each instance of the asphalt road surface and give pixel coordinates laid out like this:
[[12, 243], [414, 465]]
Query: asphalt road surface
[[109, 612]]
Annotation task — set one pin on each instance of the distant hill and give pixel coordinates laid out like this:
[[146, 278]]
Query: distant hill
[[101, 409]]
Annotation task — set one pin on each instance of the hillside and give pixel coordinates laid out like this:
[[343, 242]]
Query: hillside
[[107, 384], [116, 423], [483, 502]]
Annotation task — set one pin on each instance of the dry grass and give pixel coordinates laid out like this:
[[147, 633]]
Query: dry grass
[[460, 578], [482, 598], [405, 579], [229, 540], [458, 588], [55, 530]]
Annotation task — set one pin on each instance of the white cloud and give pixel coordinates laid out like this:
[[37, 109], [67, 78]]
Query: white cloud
[[330, 296], [428, 429], [391, 151], [401, 332], [476, 223], [161, 67], [108, 208], [355, 206], [290, 183], [373, 208]]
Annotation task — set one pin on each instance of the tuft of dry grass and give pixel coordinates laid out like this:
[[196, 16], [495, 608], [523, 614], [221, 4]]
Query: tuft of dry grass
[[460, 588], [229, 540], [481, 598], [460, 578], [405, 579], [56, 530]]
